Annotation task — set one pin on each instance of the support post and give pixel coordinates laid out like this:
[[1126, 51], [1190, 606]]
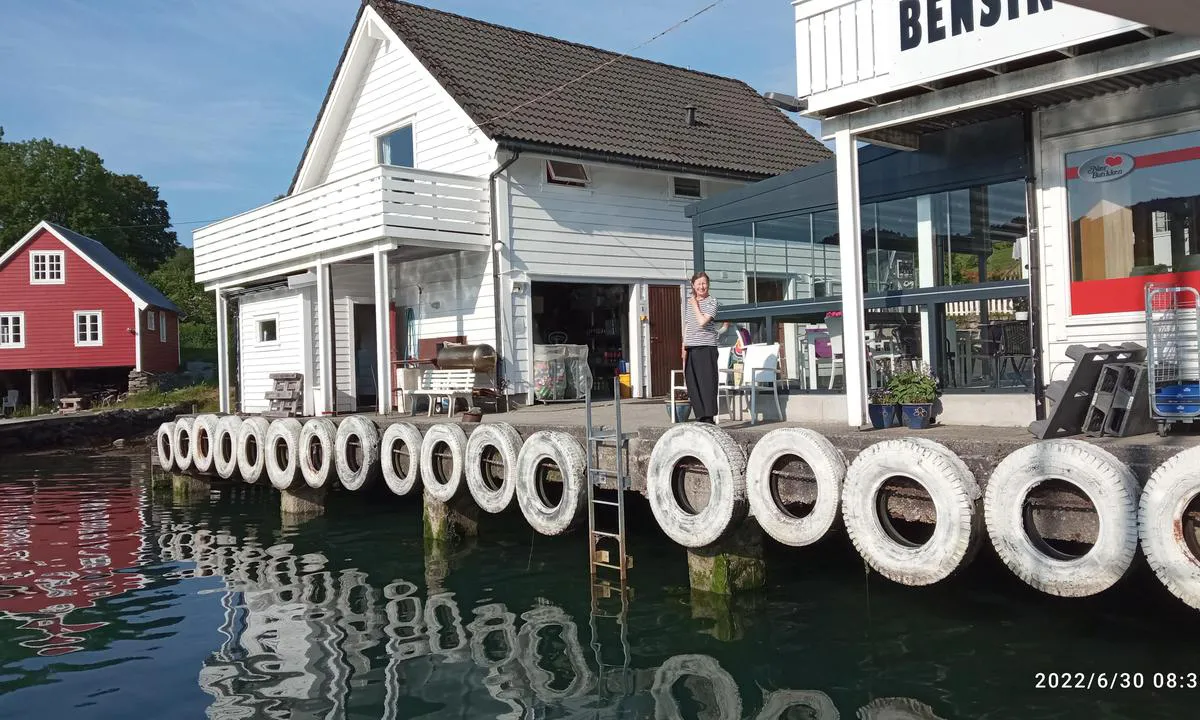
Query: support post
[[325, 338], [222, 351], [732, 566], [853, 318], [449, 523], [33, 392], [383, 333], [927, 277], [298, 503]]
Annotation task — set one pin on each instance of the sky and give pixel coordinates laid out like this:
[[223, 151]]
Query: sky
[[212, 101]]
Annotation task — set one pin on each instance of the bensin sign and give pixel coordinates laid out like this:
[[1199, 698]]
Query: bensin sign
[[931, 20]]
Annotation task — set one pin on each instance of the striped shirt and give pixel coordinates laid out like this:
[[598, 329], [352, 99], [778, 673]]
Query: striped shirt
[[694, 334]]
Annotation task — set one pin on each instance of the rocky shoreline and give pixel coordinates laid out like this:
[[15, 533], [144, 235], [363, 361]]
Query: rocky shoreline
[[83, 430]]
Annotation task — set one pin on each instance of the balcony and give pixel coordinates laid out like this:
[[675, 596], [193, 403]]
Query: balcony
[[417, 209]]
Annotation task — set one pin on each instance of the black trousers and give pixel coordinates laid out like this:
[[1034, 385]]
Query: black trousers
[[700, 374]]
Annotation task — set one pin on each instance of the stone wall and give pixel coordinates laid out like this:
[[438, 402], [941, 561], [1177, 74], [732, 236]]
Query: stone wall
[[66, 432]]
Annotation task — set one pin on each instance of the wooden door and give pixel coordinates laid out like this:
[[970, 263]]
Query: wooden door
[[666, 336]]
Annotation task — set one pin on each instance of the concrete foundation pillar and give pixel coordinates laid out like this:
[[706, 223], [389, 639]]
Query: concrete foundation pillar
[[302, 502], [449, 523], [728, 614], [187, 489], [731, 566], [34, 395]]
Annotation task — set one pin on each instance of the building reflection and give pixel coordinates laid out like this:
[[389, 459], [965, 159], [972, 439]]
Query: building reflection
[[299, 638]]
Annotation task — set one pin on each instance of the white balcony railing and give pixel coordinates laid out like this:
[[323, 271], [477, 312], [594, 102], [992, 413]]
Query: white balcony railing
[[414, 207]]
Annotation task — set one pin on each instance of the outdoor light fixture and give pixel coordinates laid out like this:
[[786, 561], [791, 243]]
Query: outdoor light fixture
[[790, 103]]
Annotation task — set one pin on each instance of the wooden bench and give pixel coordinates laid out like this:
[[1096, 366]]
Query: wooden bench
[[449, 384]]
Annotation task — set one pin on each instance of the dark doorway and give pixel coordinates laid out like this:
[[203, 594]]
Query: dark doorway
[[666, 336], [365, 357], [586, 314]]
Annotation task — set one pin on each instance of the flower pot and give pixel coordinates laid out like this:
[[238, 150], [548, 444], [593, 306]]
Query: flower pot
[[683, 410], [882, 416], [917, 417]]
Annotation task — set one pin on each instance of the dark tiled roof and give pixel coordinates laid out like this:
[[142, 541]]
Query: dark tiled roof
[[632, 108], [116, 267]]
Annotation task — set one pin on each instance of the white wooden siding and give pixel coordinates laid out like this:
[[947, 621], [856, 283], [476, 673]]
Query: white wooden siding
[[396, 89], [350, 283], [258, 360]]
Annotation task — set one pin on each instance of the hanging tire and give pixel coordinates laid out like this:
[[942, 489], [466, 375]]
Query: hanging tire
[[896, 709], [315, 452], [225, 446], [818, 705], [204, 432], [357, 445], [955, 494], [164, 444], [282, 453], [400, 457], [252, 449], [183, 443], [541, 451], [1165, 537], [444, 480], [725, 462], [488, 444], [1110, 486], [828, 466], [724, 689]]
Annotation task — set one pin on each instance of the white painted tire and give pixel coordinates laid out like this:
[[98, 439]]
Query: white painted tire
[[1165, 498], [565, 452], [315, 452], [819, 705], [1113, 491], [357, 456], [225, 446], [204, 433], [400, 458], [252, 448], [955, 495], [183, 443], [896, 708], [829, 469], [282, 453], [528, 637], [724, 688], [503, 439], [726, 464], [444, 486], [164, 443]]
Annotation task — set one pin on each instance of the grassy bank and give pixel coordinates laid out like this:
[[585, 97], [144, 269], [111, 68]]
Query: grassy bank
[[203, 397]]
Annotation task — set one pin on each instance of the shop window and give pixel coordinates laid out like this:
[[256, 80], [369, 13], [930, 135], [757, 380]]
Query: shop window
[[784, 251], [827, 253], [981, 233], [725, 261], [890, 246], [559, 172], [984, 345]]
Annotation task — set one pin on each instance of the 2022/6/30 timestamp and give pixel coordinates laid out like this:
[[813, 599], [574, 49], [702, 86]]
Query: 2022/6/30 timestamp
[[1117, 680]]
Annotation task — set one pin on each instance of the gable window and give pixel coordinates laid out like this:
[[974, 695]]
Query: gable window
[[267, 331], [46, 268], [150, 318], [396, 148], [682, 187], [566, 173], [162, 326], [12, 330], [88, 328]]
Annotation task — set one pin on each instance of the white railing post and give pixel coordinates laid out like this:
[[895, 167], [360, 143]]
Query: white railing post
[[383, 334], [850, 238], [926, 264], [325, 339], [222, 352]]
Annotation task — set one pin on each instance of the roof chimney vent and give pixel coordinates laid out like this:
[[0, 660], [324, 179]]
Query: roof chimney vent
[[691, 115]]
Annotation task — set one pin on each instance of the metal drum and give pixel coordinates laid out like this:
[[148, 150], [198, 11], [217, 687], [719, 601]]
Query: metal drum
[[480, 358]]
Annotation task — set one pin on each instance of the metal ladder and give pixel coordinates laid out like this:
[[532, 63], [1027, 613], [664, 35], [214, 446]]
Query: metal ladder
[[603, 589]]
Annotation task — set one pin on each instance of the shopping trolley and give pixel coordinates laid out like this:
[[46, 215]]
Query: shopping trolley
[[1172, 356]]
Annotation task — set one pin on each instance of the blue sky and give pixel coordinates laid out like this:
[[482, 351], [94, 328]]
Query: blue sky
[[212, 100]]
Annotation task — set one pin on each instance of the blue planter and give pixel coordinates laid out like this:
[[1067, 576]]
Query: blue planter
[[882, 416], [917, 417], [683, 410]]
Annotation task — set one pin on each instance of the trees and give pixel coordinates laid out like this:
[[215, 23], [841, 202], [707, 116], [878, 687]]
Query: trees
[[42, 180], [198, 329]]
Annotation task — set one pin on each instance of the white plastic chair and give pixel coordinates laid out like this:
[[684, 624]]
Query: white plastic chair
[[836, 348], [9, 406], [761, 368]]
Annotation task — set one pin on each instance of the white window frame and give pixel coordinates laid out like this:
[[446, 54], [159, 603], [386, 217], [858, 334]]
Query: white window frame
[[99, 341], [552, 178], [150, 317], [258, 328], [162, 326], [46, 256], [381, 133], [671, 180], [20, 317]]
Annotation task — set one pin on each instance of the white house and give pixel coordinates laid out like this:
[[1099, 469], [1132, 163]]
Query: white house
[[475, 183]]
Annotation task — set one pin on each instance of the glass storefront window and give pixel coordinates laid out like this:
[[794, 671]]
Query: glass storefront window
[[981, 233], [1134, 208], [725, 261], [827, 266], [985, 345], [890, 263], [783, 260]]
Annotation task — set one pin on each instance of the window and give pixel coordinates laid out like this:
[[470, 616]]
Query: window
[[12, 330], [980, 233], [566, 173], [150, 317], [1162, 222], [396, 148], [88, 328], [162, 326], [686, 187], [46, 268], [267, 331]]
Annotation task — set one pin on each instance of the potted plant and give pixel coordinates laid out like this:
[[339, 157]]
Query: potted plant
[[915, 391], [1021, 308], [882, 408], [683, 407]]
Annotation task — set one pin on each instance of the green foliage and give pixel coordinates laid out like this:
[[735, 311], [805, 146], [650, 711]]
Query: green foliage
[[913, 387], [203, 397], [198, 328], [41, 180], [882, 396]]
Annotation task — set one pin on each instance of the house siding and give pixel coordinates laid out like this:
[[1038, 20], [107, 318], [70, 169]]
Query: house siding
[[396, 88], [50, 313], [257, 360], [159, 355]]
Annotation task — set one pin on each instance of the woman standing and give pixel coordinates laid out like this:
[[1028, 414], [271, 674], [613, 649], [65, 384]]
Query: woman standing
[[700, 349]]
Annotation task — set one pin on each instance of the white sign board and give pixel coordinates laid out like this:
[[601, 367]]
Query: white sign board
[[913, 42]]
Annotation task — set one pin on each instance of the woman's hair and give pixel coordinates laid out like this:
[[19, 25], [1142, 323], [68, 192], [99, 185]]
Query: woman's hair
[[701, 274]]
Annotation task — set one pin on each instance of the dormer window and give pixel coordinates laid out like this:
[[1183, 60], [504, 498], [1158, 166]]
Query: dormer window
[[689, 188], [566, 173], [46, 268]]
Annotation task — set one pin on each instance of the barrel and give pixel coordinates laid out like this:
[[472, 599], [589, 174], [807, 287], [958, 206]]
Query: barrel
[[480, 358]]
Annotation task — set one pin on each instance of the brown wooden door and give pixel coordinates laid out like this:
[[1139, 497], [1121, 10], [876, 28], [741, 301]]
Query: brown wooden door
[[666, 336]]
